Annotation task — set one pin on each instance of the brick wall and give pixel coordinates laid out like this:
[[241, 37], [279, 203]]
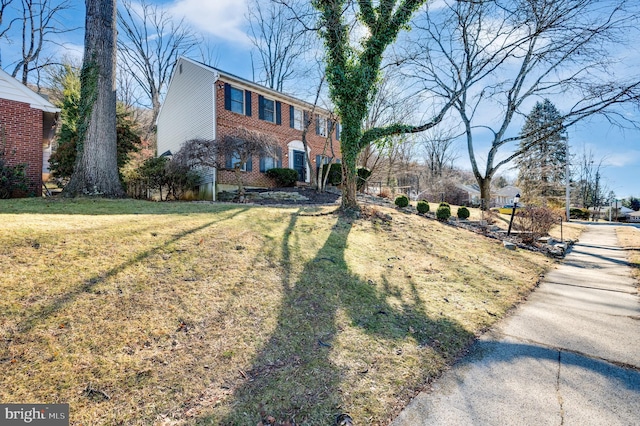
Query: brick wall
[[22, 133], [227, 121]]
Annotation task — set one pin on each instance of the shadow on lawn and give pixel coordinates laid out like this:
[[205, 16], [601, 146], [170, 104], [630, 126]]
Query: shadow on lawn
[[293, 377], [63, 300]]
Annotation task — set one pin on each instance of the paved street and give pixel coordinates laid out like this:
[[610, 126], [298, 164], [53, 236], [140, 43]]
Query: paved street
[[570, 355]]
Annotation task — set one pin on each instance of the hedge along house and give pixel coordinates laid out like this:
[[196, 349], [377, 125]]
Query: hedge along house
[[27, 128], [203, 102]]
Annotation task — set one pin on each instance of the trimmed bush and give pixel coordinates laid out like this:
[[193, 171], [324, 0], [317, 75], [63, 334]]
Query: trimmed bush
[[363, 175], [463, 213], [284, 177], [335, 173], [422, 206], [402, 201], [444, 212]]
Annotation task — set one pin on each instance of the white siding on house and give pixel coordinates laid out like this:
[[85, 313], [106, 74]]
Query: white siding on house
[[188, 110]]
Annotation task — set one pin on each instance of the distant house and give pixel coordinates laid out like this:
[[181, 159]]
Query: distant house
[[499, 196], [618, 212], [203, 102], [27, 127], [634, 217]]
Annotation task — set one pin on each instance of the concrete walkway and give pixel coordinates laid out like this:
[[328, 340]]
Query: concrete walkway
[[570, 355]]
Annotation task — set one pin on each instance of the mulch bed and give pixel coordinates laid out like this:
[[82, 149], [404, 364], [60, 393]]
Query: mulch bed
[[314, 197]]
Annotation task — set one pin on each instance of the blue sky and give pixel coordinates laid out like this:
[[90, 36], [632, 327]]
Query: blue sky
[[223, 24]]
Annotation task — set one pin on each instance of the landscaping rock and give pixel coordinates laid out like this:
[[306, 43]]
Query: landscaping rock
[[509, 245]]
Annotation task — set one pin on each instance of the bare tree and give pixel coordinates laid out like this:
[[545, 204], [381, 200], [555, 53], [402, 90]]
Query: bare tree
[[4, 29], [96, 169], [589, 188], [387, 107], [437, 147], [280, 41], [501, 55], [238, 147], [41, 22], [149, 45]]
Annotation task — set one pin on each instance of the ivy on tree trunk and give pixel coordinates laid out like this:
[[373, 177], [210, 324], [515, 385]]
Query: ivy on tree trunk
[[96, 168], [353, 75]]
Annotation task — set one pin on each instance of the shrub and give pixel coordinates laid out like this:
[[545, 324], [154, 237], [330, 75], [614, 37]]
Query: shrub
[[384, 194], [402, 201], [363, 175], [443, 204], [535, 222], [335, 173], [13, 179], [170, 178], [582, 214], [444, 212], [422, 206], [463, 213], [284, 177]]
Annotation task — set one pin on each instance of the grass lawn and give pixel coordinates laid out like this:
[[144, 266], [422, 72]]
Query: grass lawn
[[140, 313], [629, 238]]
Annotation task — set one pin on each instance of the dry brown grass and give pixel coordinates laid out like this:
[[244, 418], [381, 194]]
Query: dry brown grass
[[629, 238], [144, 313]]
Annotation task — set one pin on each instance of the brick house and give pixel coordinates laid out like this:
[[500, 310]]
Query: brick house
[[203, 102], [27, 127]]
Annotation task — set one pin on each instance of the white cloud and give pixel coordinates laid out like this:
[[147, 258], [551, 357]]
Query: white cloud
[[224, 19], [622, 159]]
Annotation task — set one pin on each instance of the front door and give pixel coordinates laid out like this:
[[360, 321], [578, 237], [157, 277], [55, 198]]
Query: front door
[[299, 165]]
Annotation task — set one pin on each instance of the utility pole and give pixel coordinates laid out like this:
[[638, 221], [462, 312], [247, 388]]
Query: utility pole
[[567, 177]]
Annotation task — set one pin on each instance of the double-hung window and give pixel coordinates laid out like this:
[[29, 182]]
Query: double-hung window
[[271, 162], [237, 100], [296, 117], [270, 110], [234, 159], [321, 125]]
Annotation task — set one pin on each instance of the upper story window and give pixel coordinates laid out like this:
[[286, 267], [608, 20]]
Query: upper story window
[[237, 100], [270, 110], [296, 117], [321, 125]]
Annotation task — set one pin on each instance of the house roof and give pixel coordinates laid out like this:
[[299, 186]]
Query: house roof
[[255, 86], [11, 89]]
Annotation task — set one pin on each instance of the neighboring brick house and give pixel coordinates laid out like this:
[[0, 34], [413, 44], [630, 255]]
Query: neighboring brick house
[[27, 127], [203, 102]]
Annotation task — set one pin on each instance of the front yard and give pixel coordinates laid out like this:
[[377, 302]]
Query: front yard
[[195, 313]]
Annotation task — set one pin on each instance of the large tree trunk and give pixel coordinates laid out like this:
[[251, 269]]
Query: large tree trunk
[[349, 194], [485, 192], [96, 169]]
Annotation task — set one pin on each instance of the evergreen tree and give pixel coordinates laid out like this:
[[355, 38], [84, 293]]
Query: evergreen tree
[[63, 160], [542, 166]]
